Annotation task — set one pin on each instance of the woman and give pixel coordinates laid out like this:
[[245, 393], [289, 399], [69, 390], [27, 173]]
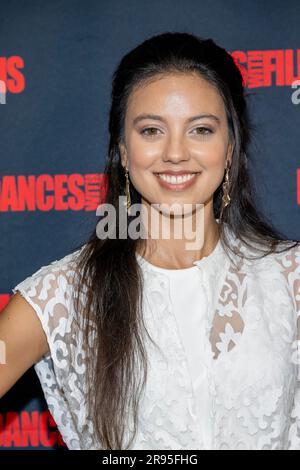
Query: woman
[[144, 342]]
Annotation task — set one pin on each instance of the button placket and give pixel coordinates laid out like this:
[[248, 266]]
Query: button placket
[[207, 348], [160, 282], [207, 361], [188, 378]]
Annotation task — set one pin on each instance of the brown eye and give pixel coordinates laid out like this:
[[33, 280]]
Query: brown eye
[[143, 131], [205, 129]]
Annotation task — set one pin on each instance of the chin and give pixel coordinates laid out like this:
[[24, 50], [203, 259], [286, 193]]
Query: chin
[[178, 208]]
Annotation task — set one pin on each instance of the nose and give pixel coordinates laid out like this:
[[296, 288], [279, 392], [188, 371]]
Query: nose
[[175, 150]]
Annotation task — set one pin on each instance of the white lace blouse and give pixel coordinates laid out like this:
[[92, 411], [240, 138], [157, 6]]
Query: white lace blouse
[[189, 303], [235, 386]]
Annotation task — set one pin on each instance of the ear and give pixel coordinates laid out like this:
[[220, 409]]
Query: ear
[[123, 154]]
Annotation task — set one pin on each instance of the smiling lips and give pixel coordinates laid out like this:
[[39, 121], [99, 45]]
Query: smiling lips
[[176, 180]]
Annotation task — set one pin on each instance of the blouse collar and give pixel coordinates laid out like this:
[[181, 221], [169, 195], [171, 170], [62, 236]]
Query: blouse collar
[[213, 258]]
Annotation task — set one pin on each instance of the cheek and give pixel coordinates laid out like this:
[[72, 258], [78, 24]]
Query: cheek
[[214, 166], [142, 156], [141, 163], [140, 170], [215, 154]]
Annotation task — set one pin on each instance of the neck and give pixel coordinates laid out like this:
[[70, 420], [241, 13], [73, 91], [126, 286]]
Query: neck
[[170, 247]]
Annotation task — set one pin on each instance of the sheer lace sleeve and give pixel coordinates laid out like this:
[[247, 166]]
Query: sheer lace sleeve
[[294, 282], [49, 291]]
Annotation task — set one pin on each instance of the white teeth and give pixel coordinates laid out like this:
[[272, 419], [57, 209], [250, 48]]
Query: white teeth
[[176, 179]]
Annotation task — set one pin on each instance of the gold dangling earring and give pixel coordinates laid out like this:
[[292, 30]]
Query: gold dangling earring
[[127, 190], [226, 198]]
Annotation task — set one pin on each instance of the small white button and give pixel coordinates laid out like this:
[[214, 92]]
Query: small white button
[[192, 411]]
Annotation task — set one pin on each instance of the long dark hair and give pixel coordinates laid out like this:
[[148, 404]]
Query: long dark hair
[[108, 268]]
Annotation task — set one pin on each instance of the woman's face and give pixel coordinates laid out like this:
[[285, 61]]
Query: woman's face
[[164, 134]]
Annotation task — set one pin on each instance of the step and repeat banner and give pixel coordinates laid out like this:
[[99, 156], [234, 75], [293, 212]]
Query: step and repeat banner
[[56, 63]]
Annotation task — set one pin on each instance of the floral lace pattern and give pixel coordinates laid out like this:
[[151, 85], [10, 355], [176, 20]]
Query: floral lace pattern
[[252, 346]]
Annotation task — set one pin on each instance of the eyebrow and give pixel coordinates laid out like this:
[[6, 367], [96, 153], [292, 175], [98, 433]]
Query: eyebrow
[[156, 117]]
